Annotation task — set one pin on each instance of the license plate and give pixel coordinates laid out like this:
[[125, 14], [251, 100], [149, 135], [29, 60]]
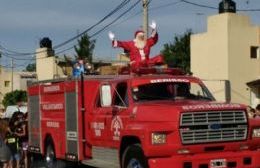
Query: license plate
[[218, 163]]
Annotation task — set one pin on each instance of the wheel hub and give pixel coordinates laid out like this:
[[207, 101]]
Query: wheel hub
[[134, 163]]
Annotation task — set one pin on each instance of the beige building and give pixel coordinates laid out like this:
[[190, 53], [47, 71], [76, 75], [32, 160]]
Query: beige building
[[13, 81], [227, 58], [49, 66]]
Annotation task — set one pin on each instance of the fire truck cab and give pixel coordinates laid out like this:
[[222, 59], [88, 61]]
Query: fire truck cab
[[152, 120]]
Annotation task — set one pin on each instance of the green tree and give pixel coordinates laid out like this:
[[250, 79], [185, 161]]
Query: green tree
[[177, 53], [85, 48], [31, 67], [12, 98]]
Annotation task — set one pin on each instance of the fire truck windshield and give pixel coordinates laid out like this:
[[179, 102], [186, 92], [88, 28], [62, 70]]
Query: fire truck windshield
[[171, 91]]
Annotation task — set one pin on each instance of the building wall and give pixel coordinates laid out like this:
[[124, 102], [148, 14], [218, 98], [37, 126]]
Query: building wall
[[219, 89], [209, 51], [223, 53], [46, 65], [209, 56], [18, 83], [20, 80], [242, 68], [5, 76]]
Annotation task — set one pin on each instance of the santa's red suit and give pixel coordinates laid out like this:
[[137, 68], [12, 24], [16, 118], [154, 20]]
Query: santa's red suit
[[139, 54]]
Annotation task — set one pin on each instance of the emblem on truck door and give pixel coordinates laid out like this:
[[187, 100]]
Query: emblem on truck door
[[98, 127], [116, 126]]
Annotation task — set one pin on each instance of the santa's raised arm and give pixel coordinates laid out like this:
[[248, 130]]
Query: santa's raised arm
[[138, 48]]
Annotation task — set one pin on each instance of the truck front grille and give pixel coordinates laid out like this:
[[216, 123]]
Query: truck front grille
[[216, 126]]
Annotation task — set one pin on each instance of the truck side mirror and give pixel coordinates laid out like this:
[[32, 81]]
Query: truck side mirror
[[106, 96]]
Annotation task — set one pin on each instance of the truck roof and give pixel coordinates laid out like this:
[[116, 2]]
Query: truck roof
[[115, 78]]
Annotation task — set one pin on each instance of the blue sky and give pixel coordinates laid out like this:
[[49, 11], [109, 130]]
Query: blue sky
[[24, 22]]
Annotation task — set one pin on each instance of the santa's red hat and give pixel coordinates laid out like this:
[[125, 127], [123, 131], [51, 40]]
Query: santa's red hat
[[138, 31]]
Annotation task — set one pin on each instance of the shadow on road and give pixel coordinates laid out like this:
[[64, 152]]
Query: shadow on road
[[57, 164]]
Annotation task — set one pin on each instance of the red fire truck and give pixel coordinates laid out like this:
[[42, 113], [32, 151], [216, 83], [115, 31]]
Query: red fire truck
[[150, 120]]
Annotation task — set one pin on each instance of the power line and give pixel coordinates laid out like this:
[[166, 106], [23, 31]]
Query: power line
[[5, 66], [151, 9], [105, 27], [25, 64], [154, 8], [93, 35], [150, 1], [166, 5], [199, 5], [120, 6], [29, 61], [15, 58], [116, 19], [67, 49], [215, 8], [11, 53]]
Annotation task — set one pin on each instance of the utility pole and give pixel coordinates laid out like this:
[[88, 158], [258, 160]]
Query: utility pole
[[145, 19], [12, 77]]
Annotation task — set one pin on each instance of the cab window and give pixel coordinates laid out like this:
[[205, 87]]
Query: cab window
[[120, 95], [171, 91]]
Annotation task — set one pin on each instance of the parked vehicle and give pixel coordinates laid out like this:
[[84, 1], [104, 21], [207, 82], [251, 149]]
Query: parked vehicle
[[154, 120], [10, 110]]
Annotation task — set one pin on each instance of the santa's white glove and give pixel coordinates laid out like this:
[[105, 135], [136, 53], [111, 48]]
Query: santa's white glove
[[153, 25], [111, 36]]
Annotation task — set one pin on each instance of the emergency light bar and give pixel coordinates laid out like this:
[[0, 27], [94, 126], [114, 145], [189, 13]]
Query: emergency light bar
[[151, 70]]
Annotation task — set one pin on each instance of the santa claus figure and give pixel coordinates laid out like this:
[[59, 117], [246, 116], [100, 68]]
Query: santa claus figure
[[139, 48]]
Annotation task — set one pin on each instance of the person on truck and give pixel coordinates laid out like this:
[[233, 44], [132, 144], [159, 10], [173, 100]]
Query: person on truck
[[78, 68], [139, 48], [183, 91]]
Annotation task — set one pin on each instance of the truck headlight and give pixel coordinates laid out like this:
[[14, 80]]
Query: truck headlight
[[256, 133], [158, 138]]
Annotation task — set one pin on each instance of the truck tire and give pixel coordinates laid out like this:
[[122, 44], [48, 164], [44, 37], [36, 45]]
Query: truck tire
[[52, 162], [133, 157], [50, 157], [35, 160]]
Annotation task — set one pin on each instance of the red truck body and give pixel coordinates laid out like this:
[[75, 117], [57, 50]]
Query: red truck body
[[77, 120]]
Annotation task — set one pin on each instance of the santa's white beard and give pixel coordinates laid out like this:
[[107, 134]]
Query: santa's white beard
[[140, 44]]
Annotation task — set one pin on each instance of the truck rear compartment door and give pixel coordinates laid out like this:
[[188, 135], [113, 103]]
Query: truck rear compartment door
[[71, 126], [34, 124]]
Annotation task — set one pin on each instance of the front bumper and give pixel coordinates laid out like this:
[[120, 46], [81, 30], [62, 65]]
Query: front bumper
[[239, 159]]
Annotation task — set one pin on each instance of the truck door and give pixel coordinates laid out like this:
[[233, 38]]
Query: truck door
[[102, 109], [116, 119]]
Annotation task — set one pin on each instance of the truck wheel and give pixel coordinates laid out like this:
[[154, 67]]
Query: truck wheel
[[50, 157], [51, 161], [133, 157], [35, 160]]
